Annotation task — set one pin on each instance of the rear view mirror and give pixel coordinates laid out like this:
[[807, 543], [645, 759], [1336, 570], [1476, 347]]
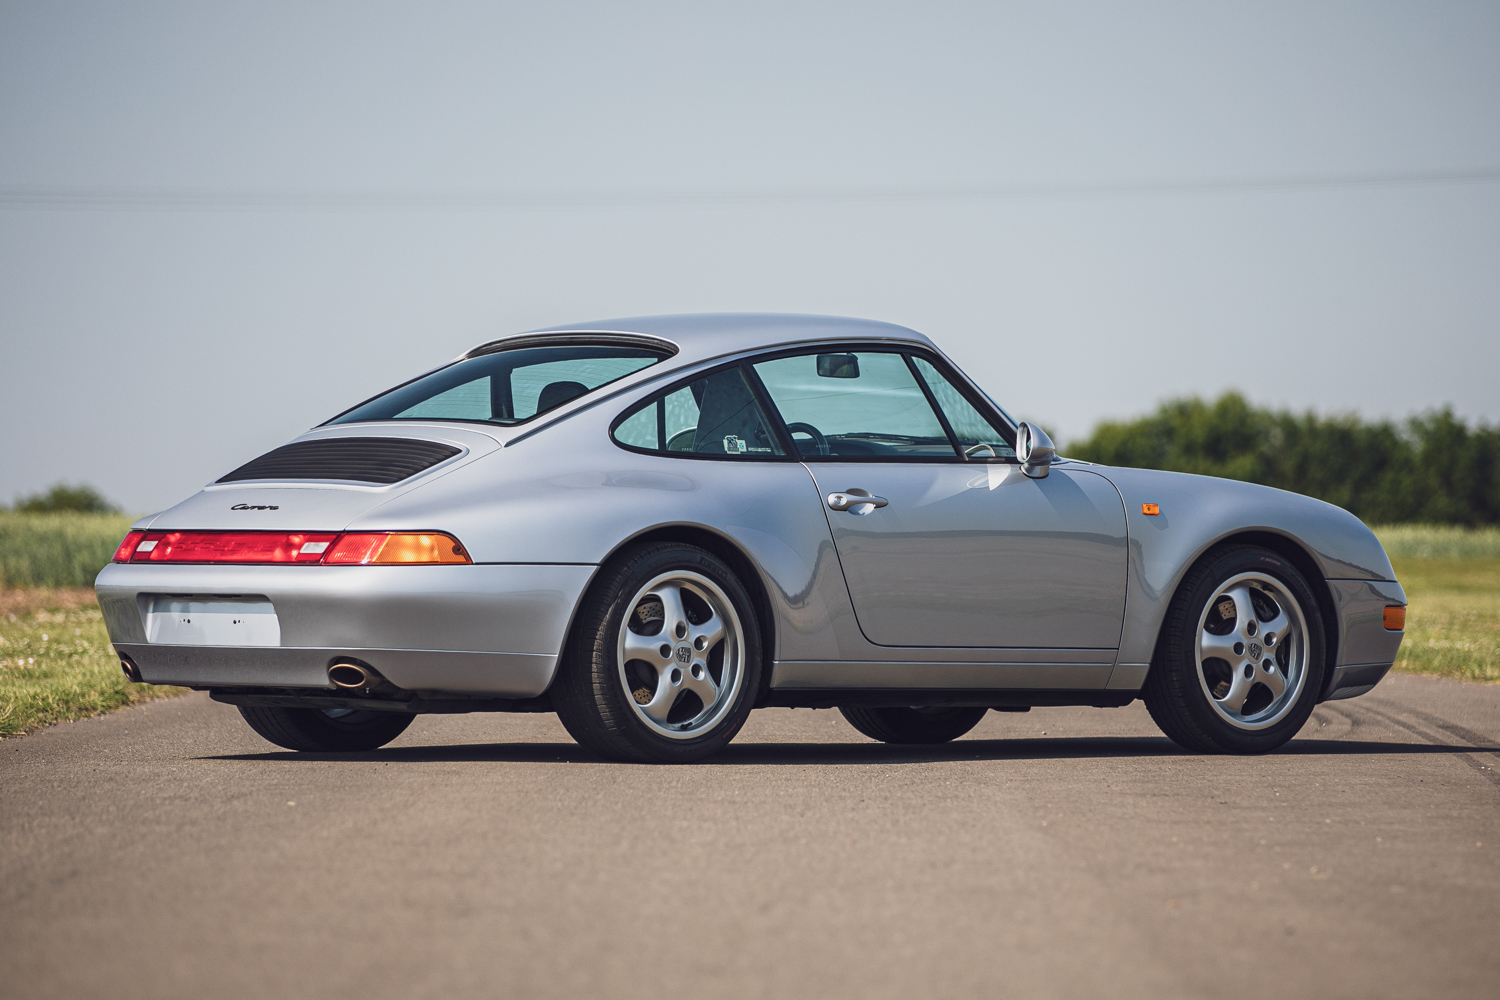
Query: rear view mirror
[[1034, 450], [838, 366]]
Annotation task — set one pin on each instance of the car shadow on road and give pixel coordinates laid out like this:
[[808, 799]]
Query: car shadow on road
[[762, 754]]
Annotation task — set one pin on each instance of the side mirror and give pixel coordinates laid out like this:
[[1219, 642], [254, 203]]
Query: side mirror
[[1034, 450]]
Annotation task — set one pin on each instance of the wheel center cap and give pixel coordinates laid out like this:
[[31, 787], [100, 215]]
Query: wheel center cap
[[685, 653], [1255, 651]]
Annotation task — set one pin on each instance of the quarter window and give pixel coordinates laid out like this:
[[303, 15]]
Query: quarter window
[[864, 404], [977, 436], [717, 416]]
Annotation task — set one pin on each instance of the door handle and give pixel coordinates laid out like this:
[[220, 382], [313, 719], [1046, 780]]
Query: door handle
[[855, 501]]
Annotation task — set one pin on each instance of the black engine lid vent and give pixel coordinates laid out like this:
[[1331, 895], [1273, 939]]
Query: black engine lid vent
[[363, 459]]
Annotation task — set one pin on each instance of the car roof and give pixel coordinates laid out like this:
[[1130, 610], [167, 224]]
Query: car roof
[[703, 336]]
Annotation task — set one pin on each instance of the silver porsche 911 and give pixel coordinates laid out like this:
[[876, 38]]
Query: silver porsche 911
[[653, 526]]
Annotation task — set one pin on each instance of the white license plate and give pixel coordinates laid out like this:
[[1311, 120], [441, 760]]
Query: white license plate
[[181, 622]]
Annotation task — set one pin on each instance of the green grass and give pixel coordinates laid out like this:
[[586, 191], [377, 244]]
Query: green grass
[[1453, 618], [1439, 541], [56, 662], [57, 550]]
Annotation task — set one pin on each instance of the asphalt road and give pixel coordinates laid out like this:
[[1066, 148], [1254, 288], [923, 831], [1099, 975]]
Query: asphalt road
[[166, 851]]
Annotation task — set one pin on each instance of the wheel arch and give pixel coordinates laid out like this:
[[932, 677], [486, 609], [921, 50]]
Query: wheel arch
[[1295, 553], [738, 560]]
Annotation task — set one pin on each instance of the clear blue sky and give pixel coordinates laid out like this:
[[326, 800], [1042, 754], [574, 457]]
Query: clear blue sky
[[222, 223]]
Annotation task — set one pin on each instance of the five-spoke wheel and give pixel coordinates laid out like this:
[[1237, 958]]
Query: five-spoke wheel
[[681, 654], [1239, 662], [664, 661], [1252, 651]]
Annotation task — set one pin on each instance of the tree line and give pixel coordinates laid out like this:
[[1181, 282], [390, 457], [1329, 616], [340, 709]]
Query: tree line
[[65, 499], [1433, 468]]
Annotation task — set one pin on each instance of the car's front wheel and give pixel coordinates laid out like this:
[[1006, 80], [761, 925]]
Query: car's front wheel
[[665, 659], [913, 725], [313, 730], [1240, 660]]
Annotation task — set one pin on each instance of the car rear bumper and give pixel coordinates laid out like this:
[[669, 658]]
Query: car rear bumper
[[505, 675], [485, 629]]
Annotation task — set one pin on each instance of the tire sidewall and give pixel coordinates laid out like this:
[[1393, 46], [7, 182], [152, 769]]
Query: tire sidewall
[[1182, 657], [308, 730], [911, 725]]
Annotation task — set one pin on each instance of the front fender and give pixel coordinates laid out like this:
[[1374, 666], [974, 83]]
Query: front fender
[[1199, 512]]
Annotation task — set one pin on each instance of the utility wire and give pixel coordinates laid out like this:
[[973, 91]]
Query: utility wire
[[22, 197]]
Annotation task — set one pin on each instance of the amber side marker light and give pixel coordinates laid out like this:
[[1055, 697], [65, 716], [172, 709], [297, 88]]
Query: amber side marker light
[[1395, 618], [1150, 509]]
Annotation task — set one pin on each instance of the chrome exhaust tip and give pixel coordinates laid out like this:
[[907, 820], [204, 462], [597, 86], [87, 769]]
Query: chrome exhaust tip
[[351, 676], [132, 672]]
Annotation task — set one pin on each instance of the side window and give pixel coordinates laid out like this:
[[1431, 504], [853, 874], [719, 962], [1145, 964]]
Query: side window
[[976, 435], [865, 404], [716, 415]]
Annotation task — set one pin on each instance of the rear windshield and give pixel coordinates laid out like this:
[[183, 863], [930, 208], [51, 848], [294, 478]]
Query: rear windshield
[[506, 387]]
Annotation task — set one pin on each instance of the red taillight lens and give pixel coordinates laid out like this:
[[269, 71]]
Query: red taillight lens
[[365, 549], [127, 547], [233, 547], [396, 549]]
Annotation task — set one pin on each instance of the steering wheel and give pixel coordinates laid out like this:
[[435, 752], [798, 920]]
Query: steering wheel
[[819, 441]]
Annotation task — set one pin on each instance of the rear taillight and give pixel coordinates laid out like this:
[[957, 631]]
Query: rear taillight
[[232, 547], [272, 547], [396, 549], [127, 547]]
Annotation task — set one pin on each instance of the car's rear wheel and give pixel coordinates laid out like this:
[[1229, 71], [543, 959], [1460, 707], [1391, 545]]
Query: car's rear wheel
[[914, 725], [313, 730], [665, 659], [1240, 659]]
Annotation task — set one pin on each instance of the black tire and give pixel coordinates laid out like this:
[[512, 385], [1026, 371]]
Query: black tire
[[914, 725], [1178, 698], [590, 695], [311, 730]]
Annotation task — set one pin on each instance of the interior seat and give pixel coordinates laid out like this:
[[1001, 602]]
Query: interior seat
[[557, 393]]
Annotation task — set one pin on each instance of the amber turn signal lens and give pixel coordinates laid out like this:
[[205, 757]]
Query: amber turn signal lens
[[397, 549], [1150, 509], [1395, 618]]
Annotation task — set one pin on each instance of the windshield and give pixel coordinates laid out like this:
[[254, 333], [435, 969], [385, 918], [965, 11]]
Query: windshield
[[506, 387]]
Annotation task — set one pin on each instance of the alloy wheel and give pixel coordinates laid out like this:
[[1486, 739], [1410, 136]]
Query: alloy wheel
[[681, 654], [1252, 651]]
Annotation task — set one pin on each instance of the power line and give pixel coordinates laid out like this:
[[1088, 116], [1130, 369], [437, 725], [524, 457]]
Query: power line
[[20, 197]]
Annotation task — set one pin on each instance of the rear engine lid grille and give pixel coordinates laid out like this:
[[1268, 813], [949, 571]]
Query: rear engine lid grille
[[363, 460]]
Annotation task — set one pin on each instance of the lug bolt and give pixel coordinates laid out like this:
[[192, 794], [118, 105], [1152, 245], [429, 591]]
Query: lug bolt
[[1250, 628], [1239, 649]]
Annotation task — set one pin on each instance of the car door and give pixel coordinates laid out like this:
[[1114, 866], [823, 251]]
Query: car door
[[957, 547]]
